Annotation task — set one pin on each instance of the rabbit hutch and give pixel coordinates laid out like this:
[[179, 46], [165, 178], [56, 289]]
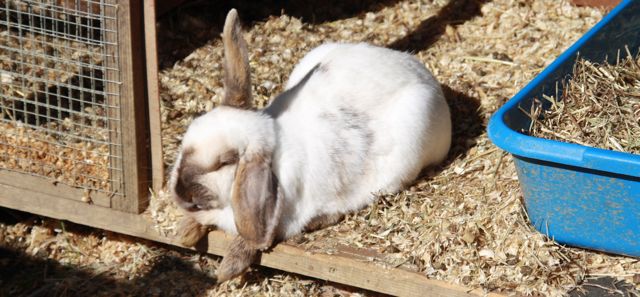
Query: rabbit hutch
[[80, 135], [73, 118], [75, 128]]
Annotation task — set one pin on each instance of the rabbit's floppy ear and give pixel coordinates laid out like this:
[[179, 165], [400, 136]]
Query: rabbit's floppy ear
[[255, 201], [237, 76], [236, 261], [256, 210]]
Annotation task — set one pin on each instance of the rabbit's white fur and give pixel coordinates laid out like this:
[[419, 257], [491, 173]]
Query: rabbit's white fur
[[357, 119], [405, 126]]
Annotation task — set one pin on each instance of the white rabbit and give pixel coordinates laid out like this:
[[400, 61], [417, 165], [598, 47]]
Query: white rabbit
[[355, 120]]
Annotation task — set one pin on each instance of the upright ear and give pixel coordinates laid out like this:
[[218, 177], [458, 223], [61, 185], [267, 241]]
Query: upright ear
[[237, 77], [255, 202]]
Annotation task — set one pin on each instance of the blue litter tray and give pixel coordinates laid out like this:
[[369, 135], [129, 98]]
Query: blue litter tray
[[577, 195]]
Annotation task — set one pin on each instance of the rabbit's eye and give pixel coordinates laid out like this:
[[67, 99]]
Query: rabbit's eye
[[205, 202], [227, 163], [221, 165], [226, 159]]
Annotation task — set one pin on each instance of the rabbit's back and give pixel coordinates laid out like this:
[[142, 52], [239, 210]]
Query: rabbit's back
[[390, 93], [356, 119]]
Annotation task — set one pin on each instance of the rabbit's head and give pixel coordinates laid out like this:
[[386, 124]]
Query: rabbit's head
[[222, 175], [220, 156]]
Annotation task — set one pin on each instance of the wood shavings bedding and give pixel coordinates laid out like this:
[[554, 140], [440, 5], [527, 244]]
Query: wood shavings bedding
[[463, 221], [33, 151], [40, 81], [50, 257]]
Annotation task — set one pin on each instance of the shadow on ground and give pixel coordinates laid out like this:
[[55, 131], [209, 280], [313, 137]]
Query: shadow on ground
[[603, 287], [467, 121], [427, 33], [24, 275], [171, 272], [195, 23]]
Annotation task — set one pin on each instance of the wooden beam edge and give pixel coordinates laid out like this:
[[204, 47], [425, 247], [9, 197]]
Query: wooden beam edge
[[350, 271], [132, 108], [153, 95], [335, 268]]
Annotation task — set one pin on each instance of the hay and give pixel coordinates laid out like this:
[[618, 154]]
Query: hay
[[599, 107], [463, 221]]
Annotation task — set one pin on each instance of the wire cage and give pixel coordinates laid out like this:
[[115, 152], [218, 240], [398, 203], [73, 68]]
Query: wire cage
[[72, 120]]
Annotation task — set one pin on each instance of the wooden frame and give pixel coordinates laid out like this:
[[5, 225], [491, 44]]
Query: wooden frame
[[141, 126], [340, 268], [125, 75], [151, 10], [133, 110], [153, 94]]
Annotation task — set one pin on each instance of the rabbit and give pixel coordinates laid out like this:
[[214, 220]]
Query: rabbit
[[354, 120]]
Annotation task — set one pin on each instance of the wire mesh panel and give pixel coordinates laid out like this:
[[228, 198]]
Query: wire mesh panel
[[60, 98]]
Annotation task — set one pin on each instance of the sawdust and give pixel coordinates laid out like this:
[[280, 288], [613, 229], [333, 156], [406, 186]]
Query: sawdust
[[32, 151], [52, 258], [52, 124], [464, 221]]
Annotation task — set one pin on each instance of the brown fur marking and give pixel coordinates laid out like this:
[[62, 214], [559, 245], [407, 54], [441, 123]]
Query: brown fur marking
[[239, 257], [237, 78], [254, 201], [186, 176], [188, 188], [323, 221], [227, 158], [189, 231]]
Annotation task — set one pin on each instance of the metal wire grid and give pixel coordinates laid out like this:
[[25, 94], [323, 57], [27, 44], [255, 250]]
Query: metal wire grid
[[60, 109]]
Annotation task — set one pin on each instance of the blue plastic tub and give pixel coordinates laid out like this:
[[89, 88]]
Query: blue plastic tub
[[577, 195]]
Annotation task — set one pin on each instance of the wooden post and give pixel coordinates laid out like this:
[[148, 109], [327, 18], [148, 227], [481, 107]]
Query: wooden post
[[153, 95], [133, 110]]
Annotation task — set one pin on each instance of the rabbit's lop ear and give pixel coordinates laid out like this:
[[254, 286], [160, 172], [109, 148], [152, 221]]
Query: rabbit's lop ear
[[237, 77], [255, 202], [236, 261], [256, 210]]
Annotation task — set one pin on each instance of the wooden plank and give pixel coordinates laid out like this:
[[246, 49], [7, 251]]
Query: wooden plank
[[60, 191], [347, 270], [132, 108], [78, 212], [336, 268], [153, 95]]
